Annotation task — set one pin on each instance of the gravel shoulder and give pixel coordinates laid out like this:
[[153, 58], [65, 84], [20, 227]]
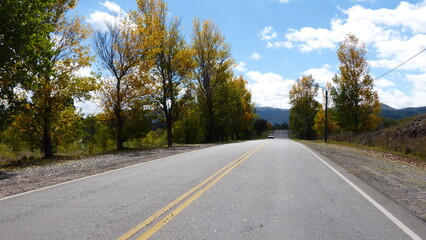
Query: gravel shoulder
[[397, 177], [15, 181]]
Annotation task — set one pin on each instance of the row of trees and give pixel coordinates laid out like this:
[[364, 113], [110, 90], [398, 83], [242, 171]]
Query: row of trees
[[153, 74], [355, 105]]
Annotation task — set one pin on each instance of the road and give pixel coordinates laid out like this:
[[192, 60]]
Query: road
[[266, 189]]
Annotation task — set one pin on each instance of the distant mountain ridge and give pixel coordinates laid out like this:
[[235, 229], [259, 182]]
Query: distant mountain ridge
[[273, 115], [280, 116], [390, 112]]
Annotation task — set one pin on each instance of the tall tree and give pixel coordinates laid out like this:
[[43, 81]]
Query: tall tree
[[243, 119], [118, 52], [23, 29], [56, 80], [172, 69], [356, 103], [234, 110], [213, 68], [304, 107]]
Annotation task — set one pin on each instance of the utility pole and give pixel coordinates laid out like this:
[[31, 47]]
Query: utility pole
[[326, 114]]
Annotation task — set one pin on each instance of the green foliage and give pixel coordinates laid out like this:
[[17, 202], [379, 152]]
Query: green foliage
[[6, 154], [304, 108], [189, 128], [319, 125], [213, 68], [155, 139], [260, 125], [23, 31], [97, 136], [171, 73]]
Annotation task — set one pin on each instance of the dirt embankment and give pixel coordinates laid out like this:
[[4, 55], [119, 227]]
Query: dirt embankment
[[397, 177]]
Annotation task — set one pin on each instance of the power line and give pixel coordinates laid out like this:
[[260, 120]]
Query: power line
[[401, 64]]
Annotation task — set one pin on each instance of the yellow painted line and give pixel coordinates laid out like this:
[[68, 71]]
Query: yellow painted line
[[156, 215], [179, 209]]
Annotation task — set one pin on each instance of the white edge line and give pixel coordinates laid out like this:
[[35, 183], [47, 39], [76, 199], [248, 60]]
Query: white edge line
[[401, 225], [95, 175]]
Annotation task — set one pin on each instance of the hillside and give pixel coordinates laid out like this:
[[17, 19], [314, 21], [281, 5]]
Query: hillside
[[397, 114], [279, 116], [273, 115]]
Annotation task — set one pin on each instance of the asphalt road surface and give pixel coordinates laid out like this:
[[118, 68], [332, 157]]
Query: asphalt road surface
[[266, 189]]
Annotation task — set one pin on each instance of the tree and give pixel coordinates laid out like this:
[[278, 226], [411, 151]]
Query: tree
[[23, 29], [189, 128], [234, 110], [213, 68], [56, 82], [304, 107], [319, 125], [356, 103], [171, 72], [260, 125], [118, 52]]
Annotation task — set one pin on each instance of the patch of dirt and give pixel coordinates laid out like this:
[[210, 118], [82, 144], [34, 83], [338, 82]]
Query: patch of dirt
[[415, 128], [17, 181], [397, 177]]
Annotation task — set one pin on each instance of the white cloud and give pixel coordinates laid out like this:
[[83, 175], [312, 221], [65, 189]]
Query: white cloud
[[394, 98], [418, 94], [321, 75], [267, 33], [269, 89], [284, 1], [383, 83], [279, 44], [113, 7], [382, 28], [100, 19], [255, 56], [308, 39], [241, 67]]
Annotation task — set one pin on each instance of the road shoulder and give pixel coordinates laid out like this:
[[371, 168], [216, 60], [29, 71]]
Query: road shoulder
[[402, 182]]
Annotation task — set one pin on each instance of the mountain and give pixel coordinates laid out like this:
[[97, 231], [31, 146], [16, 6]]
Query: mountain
[[280, 116], [273, 115], [389, 112]]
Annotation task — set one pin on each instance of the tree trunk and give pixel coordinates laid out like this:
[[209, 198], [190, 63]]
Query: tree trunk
[[169, 126], [169, 134], [211, 137], [119, 133], [47, 140]]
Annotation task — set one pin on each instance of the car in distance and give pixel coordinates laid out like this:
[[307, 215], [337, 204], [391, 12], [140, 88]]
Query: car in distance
[[271, 136]]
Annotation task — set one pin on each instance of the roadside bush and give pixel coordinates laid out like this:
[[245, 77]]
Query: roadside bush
[[154, 139], [6, 155]]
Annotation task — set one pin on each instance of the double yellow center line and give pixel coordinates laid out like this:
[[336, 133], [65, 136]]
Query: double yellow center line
[[191, 196]]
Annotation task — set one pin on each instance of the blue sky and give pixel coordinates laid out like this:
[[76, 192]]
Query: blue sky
[[275, 42]]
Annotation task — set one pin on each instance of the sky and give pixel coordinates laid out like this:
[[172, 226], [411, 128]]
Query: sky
[[275, 42]]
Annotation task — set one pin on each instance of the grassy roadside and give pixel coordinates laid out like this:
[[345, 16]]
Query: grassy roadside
[[417, 160]]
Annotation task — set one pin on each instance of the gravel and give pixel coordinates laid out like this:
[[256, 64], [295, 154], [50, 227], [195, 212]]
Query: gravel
[[397, 177], [17, 181]]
